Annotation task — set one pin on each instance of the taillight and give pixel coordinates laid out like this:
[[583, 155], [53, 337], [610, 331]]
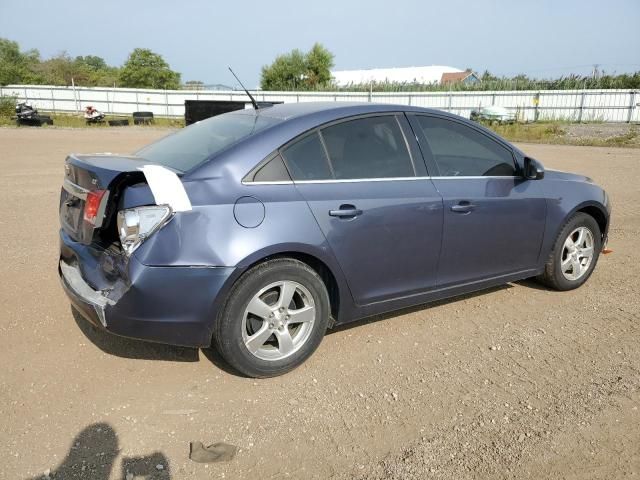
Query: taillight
[[135, 225], [92, 205]]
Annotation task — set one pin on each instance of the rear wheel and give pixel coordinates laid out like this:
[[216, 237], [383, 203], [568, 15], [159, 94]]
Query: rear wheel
[[275, 318], [574, 255]]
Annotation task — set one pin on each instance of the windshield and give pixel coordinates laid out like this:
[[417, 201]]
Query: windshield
[[196, 143]]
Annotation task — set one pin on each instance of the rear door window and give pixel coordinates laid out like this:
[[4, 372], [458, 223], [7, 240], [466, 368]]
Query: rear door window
[[307, 160], [459, 150], [371, 147]]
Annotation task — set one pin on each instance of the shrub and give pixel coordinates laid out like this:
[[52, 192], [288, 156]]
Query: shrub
[[7, 106]]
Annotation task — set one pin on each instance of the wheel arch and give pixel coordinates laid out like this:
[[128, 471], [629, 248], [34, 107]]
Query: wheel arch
[[320, 261], [550, 275], [592, 208], [599, 214], [320, 267]]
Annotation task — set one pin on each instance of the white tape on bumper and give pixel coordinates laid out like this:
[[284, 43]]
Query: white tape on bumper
[[166, 187]]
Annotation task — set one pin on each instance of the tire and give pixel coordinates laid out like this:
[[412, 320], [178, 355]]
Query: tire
[[555, 274], [261, 338], [142, 118], [118, 123]]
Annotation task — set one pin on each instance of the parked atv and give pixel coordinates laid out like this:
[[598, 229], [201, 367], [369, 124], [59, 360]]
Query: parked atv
[[91, 115], [28, 115]]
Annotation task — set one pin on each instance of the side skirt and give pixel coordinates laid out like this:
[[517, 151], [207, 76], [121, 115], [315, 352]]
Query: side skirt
[[388, 306]]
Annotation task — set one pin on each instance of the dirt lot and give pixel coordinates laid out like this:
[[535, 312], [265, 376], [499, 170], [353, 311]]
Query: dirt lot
[[516, 382]]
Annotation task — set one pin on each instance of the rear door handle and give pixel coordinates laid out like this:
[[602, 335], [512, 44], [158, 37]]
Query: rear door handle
[[463, 207], [346, 211]]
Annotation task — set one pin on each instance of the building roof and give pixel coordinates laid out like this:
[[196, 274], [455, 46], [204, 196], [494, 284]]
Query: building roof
[[452, 77], [425, 75]]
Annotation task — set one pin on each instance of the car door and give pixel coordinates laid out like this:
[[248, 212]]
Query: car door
[[380, 214], [493, 218]]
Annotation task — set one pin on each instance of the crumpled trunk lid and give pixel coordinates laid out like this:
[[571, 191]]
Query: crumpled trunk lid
[[87, 175]]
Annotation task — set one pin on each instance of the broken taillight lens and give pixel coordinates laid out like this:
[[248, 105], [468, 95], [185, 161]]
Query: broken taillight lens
[[135, 225], [92, 205]]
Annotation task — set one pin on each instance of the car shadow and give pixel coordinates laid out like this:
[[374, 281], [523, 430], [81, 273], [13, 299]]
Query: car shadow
[[138, 349], [131, 348], [532, 283], [214, 357], [93, 454], [416, 308]]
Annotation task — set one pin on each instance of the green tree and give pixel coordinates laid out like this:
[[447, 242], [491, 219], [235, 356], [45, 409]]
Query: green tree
[[319, 63], [285, 73], [61, 69], [93, 62], [89, 71], [16, 66], [146, 69], [96, 71], [299, 71]]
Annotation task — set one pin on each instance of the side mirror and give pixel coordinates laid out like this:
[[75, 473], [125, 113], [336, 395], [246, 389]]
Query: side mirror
[[533, 169]]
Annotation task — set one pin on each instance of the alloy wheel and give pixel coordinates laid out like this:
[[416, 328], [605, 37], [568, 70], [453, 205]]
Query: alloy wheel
[[577, 253], [278, 320]]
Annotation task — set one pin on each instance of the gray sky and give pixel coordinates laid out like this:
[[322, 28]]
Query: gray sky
[[200, 38]]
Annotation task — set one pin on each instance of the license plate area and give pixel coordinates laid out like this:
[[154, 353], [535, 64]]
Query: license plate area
[[71, 208]]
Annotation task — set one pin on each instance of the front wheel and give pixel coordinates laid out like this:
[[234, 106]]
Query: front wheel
[[574, 254], [274, 319]]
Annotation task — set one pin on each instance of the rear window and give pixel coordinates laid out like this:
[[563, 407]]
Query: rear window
[[196, 143]]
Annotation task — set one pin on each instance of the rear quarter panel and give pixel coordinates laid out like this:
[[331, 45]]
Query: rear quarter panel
[[210, 235]]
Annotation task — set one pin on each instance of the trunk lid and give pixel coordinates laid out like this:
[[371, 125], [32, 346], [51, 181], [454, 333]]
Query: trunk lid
[[90, 192]]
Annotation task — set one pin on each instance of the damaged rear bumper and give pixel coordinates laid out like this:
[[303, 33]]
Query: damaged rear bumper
[[91, 303], [174, 304]]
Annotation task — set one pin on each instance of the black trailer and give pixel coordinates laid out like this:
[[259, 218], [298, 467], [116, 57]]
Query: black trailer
[[196, 110]]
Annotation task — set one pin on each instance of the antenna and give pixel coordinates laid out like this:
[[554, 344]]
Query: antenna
[[253, 100]]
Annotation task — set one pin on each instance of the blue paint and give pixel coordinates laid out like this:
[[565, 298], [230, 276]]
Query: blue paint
[[248, 212]]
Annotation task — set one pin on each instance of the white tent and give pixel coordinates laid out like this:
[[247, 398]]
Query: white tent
[[431, 74]]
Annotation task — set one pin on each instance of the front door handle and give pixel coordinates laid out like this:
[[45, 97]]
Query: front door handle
[[463, 207], [346, 211]]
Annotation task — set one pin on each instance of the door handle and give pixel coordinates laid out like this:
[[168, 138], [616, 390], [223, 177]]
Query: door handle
[[346, 211], [463, 207]]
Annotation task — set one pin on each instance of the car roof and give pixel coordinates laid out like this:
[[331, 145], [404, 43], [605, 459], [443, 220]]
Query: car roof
[[289, 111]]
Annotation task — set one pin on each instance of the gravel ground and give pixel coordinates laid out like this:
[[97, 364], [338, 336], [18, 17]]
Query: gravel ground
[[590, 132], [514, 382]]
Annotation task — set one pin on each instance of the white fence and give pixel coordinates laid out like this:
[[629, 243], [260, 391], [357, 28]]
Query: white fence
[[570, 105]]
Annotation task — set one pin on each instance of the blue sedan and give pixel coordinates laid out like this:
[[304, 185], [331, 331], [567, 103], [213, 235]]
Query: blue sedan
[[257, 230]]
